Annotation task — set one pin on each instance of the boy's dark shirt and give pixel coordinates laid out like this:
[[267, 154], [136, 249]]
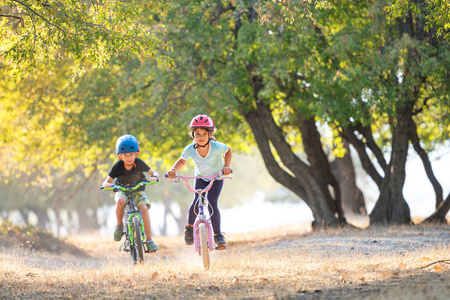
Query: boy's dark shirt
[[132, 177]]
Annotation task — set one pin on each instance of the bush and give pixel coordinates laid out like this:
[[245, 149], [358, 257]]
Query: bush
[[33, 238]]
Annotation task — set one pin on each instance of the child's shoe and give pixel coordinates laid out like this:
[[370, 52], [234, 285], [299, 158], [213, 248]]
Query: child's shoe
[[188, 235], [151, 246], [220, 241], [118, 232]]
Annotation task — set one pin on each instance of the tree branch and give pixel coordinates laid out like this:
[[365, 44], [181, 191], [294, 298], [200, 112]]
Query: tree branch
[[445, 261], [37, 14], [15, 17], [11, 16], [370, 142], [349, 135], [415, 140], [440, 213]]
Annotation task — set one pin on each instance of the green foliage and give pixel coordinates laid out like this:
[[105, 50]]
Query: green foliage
[[291, 10], [353, 63], [35, 33], [437, 14]]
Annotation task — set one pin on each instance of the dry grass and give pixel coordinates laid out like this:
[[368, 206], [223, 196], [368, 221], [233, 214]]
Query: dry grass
[[282, 263]]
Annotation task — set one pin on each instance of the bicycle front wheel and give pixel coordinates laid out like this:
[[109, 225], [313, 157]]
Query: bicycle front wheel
[[138, 245], [204, 250]]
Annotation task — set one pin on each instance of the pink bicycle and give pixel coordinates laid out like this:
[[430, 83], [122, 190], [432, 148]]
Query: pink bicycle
[[203, 232]]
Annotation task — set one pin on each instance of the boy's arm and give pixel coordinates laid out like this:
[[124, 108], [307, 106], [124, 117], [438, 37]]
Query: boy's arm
[[153, 173], [108, 181], [176, 166], [227, 168]]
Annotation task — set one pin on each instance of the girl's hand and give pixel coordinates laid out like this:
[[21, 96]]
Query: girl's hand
[[171, 173], [153, 178], [226, 171]]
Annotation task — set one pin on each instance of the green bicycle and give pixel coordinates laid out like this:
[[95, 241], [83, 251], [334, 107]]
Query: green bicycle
[[135, 234]]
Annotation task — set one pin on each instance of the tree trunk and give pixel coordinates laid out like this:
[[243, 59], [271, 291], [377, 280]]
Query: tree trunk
[[439, 215], [4, 215], [303, 182], [84, 220], [348, 133], [391, 207], [167, 211], [43, 220], [320, 165], [24, 212], [352, 198], [415, 140]]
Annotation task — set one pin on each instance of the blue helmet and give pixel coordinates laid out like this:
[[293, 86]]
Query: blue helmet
[[127, 144]]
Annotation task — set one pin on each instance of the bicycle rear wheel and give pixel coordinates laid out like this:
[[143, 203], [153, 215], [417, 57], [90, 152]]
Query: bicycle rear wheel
[[138, 246], [204, 250]]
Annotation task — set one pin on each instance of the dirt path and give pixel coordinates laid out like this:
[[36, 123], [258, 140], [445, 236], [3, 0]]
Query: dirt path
[[282, 263]]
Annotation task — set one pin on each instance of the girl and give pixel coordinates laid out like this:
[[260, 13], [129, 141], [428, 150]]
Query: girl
[[209, 157]]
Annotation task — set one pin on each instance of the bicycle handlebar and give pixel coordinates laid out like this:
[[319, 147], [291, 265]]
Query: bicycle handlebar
[[115, 187], [214, 177]]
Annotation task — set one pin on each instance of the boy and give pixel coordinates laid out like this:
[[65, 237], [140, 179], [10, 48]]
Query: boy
[[129, 170]]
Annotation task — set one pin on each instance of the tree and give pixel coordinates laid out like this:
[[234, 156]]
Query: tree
[[409, 84], [350, 73], [37, 33], [342, 69], [437, 17], [230, 60]]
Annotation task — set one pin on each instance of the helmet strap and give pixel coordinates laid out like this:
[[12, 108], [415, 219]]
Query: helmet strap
[[197, 145], [134, 164]]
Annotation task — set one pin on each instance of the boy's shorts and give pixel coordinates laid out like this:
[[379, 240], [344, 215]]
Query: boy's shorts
[[139, 198]]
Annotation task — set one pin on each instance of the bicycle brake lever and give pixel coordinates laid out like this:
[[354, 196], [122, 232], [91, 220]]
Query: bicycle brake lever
[[173, 180]]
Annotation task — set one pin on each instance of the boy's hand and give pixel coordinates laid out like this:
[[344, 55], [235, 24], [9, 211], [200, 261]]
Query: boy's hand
[[107, 184], [172, 173], [226, 171], [153, 178]]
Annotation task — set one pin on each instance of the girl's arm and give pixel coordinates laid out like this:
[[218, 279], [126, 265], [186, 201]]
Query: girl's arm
[[176, 166], [227, 168]]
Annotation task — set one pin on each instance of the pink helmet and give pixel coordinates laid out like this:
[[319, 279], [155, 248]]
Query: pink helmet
[[202, 121]]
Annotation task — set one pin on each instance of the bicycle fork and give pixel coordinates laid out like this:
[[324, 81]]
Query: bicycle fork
[[129, 238], [209, 232]]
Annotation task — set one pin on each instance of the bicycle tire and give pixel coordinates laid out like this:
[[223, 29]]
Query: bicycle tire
[[132, 248], [204, 250], [138, 243]]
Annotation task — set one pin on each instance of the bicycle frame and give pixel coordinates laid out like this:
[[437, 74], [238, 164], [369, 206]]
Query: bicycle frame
[[202, 203], [202, 219], [134, 211]]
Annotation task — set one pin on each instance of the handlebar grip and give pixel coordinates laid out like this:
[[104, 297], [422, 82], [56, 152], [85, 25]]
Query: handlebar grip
[[101, 187], [166, 175]]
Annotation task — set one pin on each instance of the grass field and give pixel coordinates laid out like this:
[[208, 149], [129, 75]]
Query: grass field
[[281, 263]]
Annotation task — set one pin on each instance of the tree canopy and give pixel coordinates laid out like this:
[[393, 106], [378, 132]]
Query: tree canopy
[[373, 74], [85, 34]]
